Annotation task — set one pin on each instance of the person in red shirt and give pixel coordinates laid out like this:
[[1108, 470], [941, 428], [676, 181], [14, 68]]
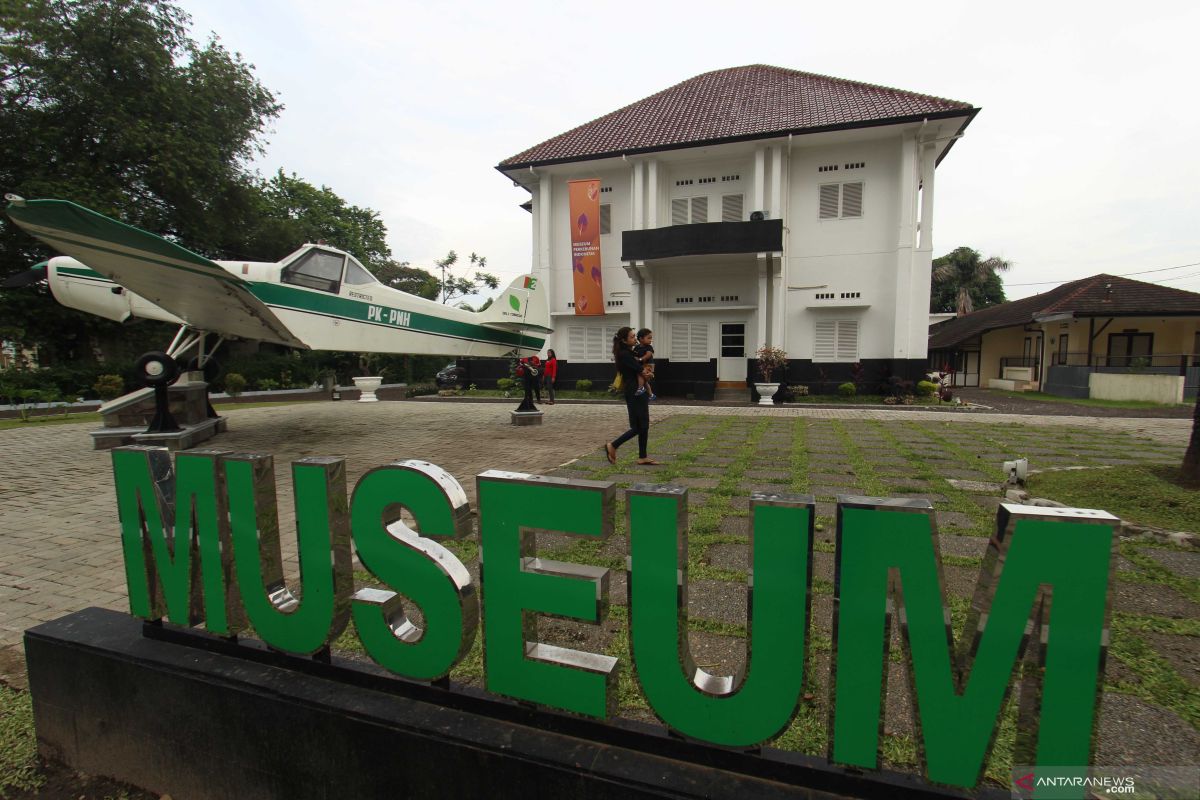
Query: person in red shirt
[[550, 371]]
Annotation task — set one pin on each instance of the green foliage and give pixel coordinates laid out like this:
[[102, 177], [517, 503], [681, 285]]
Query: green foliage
[[505, 384], [926, 388], [963, 281], [235, 384], [267, 384], [459, 286], [770, 360], [109, 386], [847, 389], [1150, 495], [583, 385]]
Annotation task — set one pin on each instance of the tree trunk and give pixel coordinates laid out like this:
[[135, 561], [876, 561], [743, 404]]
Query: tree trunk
[[1191, 459]]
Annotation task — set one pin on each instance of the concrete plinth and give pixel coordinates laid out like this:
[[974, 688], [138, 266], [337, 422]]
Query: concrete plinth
[[527, 417], [195, 716]]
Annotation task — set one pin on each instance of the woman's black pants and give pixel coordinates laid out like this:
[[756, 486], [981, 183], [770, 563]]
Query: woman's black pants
[[638, 406]]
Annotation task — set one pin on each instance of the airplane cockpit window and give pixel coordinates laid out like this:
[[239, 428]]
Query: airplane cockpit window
[[316, 269], [357, 276]]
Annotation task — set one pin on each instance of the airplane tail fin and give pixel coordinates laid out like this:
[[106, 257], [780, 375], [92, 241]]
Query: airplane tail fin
[[520, 307]]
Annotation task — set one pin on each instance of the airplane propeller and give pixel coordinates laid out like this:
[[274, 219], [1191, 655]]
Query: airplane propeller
[[27, 278]]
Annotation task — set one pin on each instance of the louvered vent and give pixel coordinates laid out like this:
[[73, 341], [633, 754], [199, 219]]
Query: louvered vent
[[699, 209], [679, 211], [679, 340], [731, 208], [847, 340], [606, 217], [699, 340], [689, 341], [852, 194], [829, 200], [825, 340]]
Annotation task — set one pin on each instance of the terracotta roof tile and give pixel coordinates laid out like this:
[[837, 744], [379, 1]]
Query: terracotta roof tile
[[748, 102], [1097, 296]]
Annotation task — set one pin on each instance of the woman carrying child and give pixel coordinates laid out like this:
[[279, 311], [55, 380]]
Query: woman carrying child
[[630, 366]]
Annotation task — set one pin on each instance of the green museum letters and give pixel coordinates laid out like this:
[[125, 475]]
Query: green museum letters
[[201, 544]]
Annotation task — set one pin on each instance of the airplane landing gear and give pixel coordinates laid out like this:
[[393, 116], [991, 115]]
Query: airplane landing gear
[[159, 371]]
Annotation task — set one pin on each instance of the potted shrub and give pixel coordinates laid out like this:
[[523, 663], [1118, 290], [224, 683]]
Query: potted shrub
[[770, 361]]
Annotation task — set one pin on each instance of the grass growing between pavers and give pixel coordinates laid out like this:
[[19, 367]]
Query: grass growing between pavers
[[1149, 494], [874, 458]]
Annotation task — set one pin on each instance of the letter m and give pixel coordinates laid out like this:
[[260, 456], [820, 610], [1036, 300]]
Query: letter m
[[1042, 561], [175, 537]]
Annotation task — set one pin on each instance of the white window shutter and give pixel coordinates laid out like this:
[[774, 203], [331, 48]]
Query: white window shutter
[[829, 200], [852, 197], [699, 209], [679, 341], [731, 208], [699, 338], [847, 340], [825, 340], [576, 343], [679, 211]]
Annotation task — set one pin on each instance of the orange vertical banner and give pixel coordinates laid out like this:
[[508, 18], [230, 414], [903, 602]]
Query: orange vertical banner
[[585, 246]]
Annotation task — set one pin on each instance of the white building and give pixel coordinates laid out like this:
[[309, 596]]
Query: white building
[[749, 206]]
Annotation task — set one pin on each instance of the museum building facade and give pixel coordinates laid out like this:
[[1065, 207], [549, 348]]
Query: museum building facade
[[745, 207]]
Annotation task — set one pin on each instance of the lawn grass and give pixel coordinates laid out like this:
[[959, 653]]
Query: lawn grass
[[1145, 494], [1083, 401], [18, 744], [94, 416]]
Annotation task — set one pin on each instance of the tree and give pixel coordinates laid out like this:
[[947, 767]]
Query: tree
[[109, 103], [964, 281], [1190, 473], [460, 286]]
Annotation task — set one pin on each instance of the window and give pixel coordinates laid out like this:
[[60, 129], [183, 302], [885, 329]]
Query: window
[[689, 341], [689, 210], [316, 269], [606, 217], [1063, 349], [590, 342], [357, 276], [840, 200], [836, 340], [1125, 347], [731, 208], [733, 340]]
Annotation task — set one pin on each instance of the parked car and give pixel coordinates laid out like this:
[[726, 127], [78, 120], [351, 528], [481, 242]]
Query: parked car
[[451, 376]]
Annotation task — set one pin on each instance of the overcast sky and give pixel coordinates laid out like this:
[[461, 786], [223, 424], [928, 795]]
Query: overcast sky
[[1083, 159]]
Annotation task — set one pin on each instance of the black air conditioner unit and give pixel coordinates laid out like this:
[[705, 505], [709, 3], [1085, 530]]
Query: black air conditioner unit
[[757, 216]]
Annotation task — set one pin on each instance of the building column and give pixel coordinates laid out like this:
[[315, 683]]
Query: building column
[[545, 226], [760, 178], [905, 240], [635, 296], [652, 194], [776, 183], [778, 296], [764, 265], [639, 191], [649, 313]]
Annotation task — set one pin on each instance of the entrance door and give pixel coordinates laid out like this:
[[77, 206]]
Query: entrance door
[[731, 365]]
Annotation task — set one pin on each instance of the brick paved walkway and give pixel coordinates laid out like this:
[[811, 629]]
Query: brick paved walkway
[[59, 543]]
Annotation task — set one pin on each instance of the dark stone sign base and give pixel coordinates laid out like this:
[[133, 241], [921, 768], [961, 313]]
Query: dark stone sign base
[[185, 713]]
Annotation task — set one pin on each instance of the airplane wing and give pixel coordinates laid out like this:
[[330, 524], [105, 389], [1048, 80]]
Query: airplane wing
[[189, 286]]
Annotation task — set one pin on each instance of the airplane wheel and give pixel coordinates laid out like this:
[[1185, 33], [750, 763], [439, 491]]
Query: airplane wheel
[[157, 369]]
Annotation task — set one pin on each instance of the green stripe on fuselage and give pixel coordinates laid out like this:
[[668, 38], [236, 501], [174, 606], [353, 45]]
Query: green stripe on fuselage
[[283, 296]]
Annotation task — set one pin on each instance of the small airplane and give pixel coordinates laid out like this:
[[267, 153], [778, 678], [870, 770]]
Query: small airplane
[[317, 298]]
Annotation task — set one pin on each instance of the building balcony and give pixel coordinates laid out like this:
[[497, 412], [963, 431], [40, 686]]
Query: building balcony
[[706, 238]]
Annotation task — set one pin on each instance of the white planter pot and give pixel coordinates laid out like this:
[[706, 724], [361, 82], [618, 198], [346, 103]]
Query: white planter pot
[[766, 391], [368, 386]]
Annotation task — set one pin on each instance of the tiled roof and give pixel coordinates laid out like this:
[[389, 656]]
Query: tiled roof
[[749, 102], [1097, 296]]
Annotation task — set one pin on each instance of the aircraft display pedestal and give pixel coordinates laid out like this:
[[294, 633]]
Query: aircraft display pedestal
[[527, 417], [126, 418]]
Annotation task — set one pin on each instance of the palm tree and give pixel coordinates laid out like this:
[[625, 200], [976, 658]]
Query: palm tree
[[970, 273]]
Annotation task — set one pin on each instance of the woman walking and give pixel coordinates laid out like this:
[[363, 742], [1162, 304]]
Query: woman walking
[[550, 370], [629, 366]]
